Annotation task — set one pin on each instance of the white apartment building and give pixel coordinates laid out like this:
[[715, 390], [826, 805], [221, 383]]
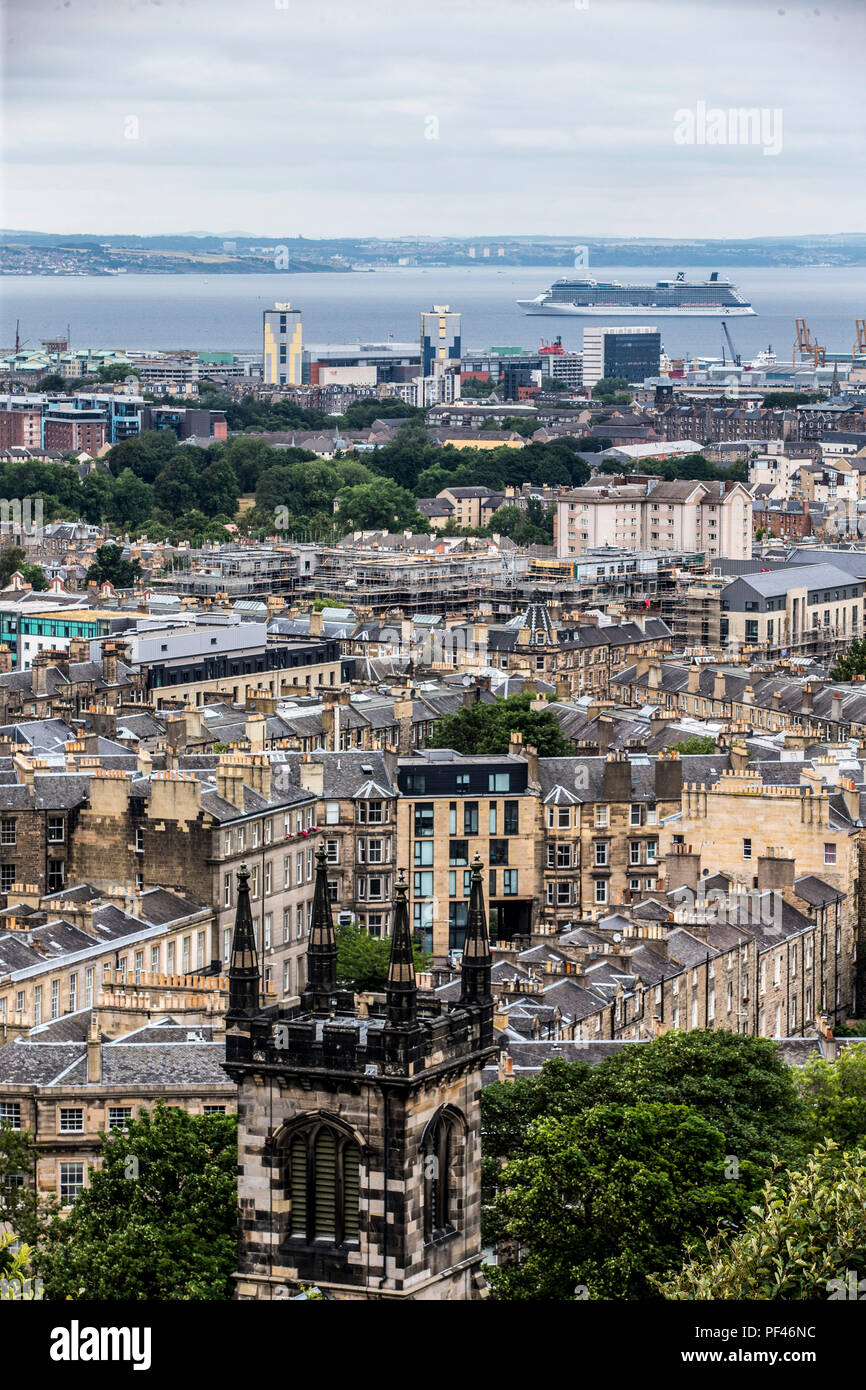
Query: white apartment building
[[685, 515]]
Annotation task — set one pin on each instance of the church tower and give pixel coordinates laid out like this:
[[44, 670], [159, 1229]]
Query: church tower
[[359, 1128]]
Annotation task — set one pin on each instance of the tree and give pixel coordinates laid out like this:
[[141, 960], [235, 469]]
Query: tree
[[34, 575], [609, 386], [12, 558], [145, 455], [851, 662], [97, 491], [835, 1096], [218, 489], [737, 1082], [607, 1198], [806, 1239], [362, 960], [131, 501], [475, 386], [52, 382], [20, 1209], [176, 487], [15, 1270], [361, 414], [786, 400], [111, 567], [115, 371], [697, 744], [382, 504], [484, 727], [159, 1219], [534, 526]]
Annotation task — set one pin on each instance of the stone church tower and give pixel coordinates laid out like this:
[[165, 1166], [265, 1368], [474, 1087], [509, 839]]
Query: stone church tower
[[359, 1133]]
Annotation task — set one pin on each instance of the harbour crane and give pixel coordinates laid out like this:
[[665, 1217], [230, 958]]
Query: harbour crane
[[807, 348], [736, 359], [859, 349]]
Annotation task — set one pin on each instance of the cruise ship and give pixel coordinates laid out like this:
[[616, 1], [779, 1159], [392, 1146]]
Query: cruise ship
[[713, 298]]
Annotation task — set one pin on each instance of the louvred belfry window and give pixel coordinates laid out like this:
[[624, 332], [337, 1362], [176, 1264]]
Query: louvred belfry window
[[441, 1156], [323, 1180]]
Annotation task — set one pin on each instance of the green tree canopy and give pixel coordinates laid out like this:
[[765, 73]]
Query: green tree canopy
[[805, 1239], [739, 1084], [361, 414], [111, 567], [159, 1219], [699, 743], [484, 727], [19, 1208], [534, 526], [362, 960], [835, 1096], [605, 1199], [381, 504], [34, 575], [786, 400], [609, 386], [12, 558], [131, 500], [115, 371], [851, 662]]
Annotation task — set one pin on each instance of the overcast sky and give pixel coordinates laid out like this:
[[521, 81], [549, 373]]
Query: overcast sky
[[282, 117]]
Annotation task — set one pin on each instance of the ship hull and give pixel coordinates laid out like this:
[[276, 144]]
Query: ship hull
[[601, 311]]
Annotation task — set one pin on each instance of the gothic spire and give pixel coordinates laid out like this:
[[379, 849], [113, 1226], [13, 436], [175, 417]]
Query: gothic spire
[[402, 992], [244, 964], [475, 978], [322, 945]]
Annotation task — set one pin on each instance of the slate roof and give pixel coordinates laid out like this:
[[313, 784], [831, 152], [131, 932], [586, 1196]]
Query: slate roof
[[344, 772], [125, 1064]]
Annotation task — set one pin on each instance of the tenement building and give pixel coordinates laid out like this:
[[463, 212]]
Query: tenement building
[[359, 1126]]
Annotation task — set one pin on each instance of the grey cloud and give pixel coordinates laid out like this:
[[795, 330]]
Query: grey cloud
[[319, 110]]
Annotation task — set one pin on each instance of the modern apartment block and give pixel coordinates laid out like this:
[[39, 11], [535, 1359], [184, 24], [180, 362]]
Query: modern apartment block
[[632, 353], [440, 338], [792, 608], [283, 345], [651, 514]]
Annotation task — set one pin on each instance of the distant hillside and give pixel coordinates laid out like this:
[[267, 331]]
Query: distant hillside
[[59, 253]]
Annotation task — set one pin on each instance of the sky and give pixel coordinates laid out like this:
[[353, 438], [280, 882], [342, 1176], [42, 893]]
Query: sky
[[433, 117]]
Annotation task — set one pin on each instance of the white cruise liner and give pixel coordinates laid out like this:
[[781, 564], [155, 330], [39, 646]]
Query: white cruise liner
[[681, 298]]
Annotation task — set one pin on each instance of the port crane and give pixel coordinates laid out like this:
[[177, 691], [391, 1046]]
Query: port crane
[[859, 349], [736, 359], [807, 348]]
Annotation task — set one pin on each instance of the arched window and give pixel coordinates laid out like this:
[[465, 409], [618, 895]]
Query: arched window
[[442, 1167], [322, 1178]]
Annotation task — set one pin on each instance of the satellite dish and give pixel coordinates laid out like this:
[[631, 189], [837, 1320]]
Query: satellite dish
[[617, 936], [467, 680]]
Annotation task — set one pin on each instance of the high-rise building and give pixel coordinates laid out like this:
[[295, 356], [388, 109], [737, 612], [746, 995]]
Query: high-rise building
[[632, 353], [283, 346], [440, 338], [359, 1128]]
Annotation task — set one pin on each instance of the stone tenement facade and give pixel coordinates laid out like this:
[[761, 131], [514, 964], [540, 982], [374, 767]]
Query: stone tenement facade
[[359, 1131], [71, 1080]]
